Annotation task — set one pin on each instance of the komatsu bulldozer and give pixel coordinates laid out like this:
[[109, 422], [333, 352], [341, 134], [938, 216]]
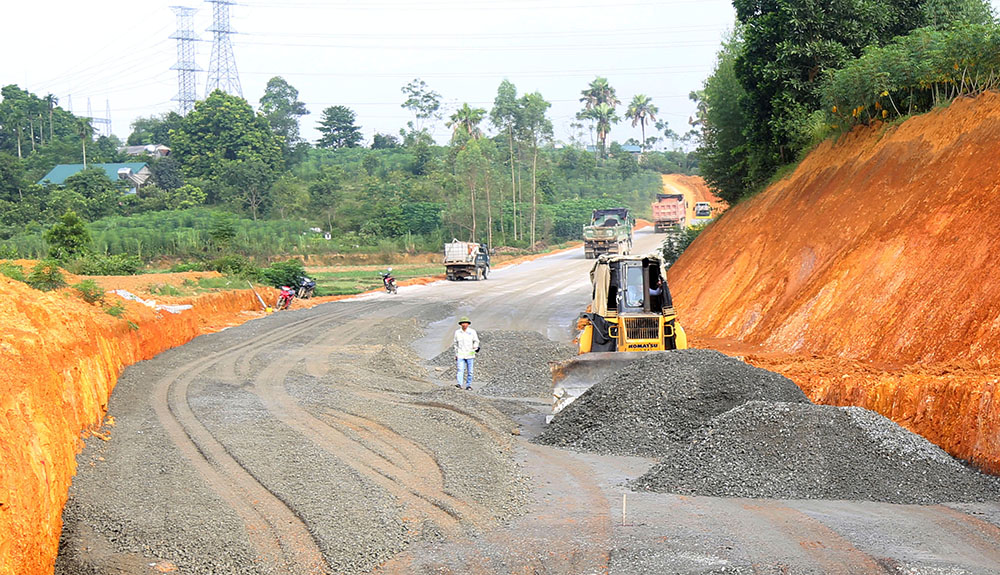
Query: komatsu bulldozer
[[631, 314]]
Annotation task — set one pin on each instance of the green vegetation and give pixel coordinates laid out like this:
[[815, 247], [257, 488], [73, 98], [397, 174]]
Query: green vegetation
[[794, 72], [355, 281], [242, 184], [45, 276], [13, 271], [679, 240], [90, 291]]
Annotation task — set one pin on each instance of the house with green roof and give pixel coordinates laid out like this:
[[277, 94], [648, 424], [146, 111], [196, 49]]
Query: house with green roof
[[136, 173]]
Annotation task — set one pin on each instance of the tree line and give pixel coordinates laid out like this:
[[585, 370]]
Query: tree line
[[501, 178], [795, 72]]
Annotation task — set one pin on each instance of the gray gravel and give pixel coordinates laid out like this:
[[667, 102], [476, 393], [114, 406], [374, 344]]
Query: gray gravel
[[803, 451], [510, 364], [660, 399]]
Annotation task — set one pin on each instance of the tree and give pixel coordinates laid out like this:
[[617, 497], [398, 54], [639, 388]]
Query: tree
[[503, 116], [68, 238], [281, 107], [599, 101], [788, 47], [50, 102], [154, 129], [641, 111], [465, 123], [599, 92], [100, 195], [384, 142], [289, 197], [534, 128], [167, 173], [603, 116], [338, 129], [424, 103], [720, 117], [86, 131], [223, 129], [249, 182]]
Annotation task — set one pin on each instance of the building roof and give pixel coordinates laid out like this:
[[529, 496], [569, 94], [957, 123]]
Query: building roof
[[60, 173]]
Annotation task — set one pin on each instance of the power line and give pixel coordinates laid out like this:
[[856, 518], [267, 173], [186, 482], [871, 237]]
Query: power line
[[497, 48]]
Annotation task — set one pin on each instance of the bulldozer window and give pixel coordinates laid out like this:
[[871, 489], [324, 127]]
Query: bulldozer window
[[633, 286]]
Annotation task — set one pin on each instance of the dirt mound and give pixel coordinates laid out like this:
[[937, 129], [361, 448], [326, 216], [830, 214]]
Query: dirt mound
[[662, 398], [510, 363], [804, 451], [878, 248]]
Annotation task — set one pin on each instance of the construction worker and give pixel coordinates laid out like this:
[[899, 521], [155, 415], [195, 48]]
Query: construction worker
[[466, 347]]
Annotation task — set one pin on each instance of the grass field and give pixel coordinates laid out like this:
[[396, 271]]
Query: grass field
[[360, 279]]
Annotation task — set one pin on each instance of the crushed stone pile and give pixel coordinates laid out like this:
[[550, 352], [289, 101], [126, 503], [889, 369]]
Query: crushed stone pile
[[660, 399], [805, 451], [510, 363]]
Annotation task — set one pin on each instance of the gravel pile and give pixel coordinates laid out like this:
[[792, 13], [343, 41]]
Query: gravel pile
[[805, 451], [510, 363], [660, 399]]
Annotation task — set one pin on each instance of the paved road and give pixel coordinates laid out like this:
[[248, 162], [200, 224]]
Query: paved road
[[313, 441]]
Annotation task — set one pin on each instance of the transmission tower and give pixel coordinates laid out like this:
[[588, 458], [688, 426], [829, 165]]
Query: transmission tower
[[222, 74], [187, 84], [104, 123]]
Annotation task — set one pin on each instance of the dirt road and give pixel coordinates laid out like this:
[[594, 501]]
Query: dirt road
[[316, 441], [695, 190]]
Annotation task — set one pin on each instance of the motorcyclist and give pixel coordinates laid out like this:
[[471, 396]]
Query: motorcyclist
[[386, 277]]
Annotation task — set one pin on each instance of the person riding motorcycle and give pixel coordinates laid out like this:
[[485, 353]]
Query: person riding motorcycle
[[388, 281]]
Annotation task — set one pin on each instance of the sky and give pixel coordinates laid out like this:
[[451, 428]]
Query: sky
[[118, 54]]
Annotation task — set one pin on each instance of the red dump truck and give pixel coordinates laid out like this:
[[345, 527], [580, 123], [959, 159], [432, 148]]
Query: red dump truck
[[669, 211]]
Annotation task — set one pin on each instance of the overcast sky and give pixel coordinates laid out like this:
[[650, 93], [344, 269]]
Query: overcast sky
[[359, 54]]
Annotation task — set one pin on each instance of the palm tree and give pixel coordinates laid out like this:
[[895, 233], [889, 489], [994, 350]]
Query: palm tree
[[86, 131], [466, 120], [641, 111], [604, 116], [51, 100], [599, 92]]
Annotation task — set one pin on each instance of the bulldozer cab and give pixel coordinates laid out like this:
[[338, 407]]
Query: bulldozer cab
[[630, 285]]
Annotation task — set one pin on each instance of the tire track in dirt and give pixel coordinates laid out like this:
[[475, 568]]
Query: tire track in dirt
[[413, 476], [281, 538]]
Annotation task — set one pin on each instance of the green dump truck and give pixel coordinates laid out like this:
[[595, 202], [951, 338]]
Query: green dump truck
[[609, 232]]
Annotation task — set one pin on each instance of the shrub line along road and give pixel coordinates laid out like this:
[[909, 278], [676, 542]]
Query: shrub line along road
[[315, 441]]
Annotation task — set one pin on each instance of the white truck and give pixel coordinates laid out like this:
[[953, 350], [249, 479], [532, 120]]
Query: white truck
[[464, 260]]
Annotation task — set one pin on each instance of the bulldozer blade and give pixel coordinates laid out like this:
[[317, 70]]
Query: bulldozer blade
[[572, 377]]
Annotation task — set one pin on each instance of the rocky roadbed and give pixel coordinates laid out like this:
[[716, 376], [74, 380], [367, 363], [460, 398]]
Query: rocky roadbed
[[723, 428], [804, 451], [654, 402], [510, 364]]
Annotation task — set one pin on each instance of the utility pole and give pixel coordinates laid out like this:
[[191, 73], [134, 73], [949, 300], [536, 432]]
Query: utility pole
[[187, 83], [222, 74]]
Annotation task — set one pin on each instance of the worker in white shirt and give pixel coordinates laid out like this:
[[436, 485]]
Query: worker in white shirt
[[466, 348]]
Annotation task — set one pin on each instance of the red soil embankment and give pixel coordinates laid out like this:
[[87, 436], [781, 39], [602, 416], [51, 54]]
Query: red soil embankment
[[867, 276], [59, 360]]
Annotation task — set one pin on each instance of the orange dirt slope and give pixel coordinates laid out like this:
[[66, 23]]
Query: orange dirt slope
[[867, 275], [59, 360]]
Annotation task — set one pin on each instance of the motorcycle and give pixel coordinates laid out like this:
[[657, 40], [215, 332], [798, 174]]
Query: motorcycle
[[306, 288], [389, 283], [285, 297]]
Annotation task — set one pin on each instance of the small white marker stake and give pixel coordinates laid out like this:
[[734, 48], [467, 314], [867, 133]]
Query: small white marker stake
[[624, 507]]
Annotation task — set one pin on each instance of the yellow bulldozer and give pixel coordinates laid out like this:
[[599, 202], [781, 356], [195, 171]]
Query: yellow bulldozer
[[631, 314]]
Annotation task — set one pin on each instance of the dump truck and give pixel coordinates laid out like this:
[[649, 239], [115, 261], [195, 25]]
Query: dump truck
[[703, 210], [669, 212], [463, 260], [631, 314], [609, 232]]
